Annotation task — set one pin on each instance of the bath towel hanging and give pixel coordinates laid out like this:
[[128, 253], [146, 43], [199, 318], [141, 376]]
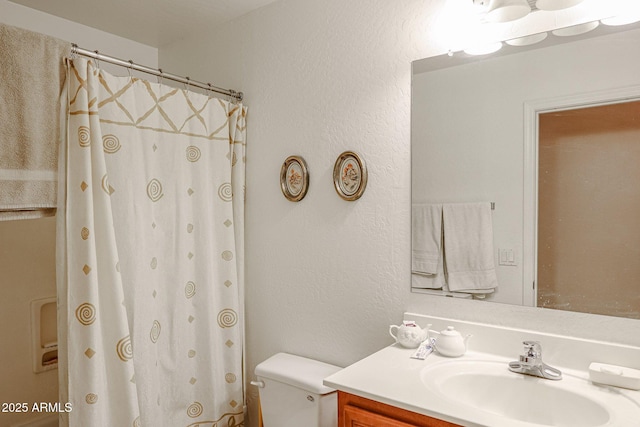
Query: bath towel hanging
[[468, 246], [426, 238], [32, 75], [427, 268]]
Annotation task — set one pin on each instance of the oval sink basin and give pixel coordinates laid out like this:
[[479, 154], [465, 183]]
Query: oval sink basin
[[489, 386]]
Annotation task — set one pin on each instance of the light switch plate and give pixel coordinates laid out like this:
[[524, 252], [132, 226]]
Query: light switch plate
[[507, 257]]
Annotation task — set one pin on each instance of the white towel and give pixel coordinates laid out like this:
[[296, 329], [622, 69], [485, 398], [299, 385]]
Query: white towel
[[432, 281], [426, 238], [427, 268], [468, 247], [31, 76]]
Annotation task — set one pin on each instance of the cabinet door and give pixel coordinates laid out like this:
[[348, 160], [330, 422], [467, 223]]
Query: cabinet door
[[356, 417]]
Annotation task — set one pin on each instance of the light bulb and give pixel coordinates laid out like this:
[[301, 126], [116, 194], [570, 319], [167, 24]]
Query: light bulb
[[556, 4], [484, 49]]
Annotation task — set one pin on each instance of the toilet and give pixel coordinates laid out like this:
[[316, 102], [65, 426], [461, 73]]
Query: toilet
[[292, 393]]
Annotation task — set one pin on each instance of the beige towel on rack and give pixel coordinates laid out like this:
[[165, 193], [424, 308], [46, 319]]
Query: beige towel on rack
[[32, 74], [468, 247], [427, 269]]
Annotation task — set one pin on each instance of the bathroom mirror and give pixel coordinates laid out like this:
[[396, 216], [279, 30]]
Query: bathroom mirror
[[474, 138]]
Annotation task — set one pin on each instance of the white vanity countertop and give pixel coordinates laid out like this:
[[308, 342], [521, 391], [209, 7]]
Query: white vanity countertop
[[391, 376]]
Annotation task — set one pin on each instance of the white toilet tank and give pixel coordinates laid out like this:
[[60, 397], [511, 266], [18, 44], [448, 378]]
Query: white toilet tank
[[292, 393]]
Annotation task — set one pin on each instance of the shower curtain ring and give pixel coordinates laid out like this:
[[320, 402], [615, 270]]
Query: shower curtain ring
[[97, 59], [187, 86], [160, 76], [129, 70]]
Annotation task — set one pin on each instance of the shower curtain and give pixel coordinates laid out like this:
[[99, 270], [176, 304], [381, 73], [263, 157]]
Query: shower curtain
[[150, 300]]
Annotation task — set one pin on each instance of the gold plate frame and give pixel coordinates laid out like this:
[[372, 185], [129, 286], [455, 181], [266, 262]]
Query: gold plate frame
[[294, 178], [350, 176]]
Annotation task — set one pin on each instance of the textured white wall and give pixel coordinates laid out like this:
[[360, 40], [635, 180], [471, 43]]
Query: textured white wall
[[326, 277]]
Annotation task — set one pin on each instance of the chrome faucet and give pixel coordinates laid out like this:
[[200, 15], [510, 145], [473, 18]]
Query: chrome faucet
[[531, 363]]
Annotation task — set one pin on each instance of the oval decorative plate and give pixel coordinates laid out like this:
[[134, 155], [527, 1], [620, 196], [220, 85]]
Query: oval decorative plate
[[350, 176], [294, 178]]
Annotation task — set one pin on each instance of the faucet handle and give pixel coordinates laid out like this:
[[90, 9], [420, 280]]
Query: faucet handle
[[532, 350]]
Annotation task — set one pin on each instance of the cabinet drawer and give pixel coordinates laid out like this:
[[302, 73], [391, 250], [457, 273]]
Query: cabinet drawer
[[356, 411], [356, 417]]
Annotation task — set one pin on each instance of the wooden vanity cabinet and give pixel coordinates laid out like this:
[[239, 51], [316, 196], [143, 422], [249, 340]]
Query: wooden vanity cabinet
[[356, 411]]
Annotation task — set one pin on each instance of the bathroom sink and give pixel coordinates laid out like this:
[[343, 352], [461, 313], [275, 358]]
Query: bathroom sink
[[490, 387]]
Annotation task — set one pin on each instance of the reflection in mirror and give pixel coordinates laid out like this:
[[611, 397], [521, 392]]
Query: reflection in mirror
[[471, 143], [588, 223]]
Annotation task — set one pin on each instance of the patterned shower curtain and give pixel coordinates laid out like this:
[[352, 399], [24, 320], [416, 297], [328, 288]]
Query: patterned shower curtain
[[151, 297]]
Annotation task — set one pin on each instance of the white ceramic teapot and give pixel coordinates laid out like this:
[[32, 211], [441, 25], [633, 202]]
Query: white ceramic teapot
[[450, 342], [409, 334]]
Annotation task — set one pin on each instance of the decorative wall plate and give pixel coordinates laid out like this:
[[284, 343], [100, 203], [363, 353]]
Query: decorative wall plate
[[350, 176], [294, 178]]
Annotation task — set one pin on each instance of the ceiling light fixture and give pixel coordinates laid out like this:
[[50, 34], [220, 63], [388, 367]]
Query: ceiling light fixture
[[511, 10], [507, 10], [628, 14], [484, 49], [576, 29], [621, 20], [556, 4], [527, 40]]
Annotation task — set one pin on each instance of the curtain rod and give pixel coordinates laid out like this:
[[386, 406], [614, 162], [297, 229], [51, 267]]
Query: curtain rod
[[76, 50]]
